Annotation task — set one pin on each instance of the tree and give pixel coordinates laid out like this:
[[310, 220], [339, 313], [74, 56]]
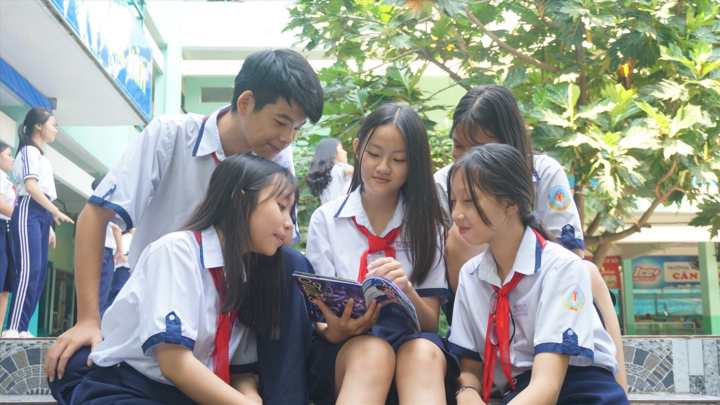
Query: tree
[[625, 94]]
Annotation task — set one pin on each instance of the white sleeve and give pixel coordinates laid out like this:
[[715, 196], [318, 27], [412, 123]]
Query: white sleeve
[[169, 305], [285, 159], [564, 320], [556, 207], [465, 338], [31, 163], [319, 250], [131, 183]]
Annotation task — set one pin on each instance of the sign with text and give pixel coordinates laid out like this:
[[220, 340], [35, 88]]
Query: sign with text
[[655, 272]]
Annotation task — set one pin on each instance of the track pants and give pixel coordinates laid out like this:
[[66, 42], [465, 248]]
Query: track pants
[[106, 278], [30, 229]]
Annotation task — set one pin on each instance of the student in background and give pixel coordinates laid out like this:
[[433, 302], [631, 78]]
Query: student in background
[[122, 269], [161, 179], [31, 222], [7, 204], [183, 330], [490, 114], [329, 175], [375, 230], [113, 254], [523, 317]]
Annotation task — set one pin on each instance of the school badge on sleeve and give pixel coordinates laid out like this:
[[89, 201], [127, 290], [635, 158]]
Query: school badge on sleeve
[[559, 198], [573, 298]]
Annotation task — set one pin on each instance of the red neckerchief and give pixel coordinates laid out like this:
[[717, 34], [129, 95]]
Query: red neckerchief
[[375, 244], [502, 323], [226, 321]]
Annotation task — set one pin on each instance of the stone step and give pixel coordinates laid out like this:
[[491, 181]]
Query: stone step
[[668, 398], [27, 399]]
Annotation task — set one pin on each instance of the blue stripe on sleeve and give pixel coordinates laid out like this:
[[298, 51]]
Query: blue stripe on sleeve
[[172, 335], [118, 210], [569, 346]]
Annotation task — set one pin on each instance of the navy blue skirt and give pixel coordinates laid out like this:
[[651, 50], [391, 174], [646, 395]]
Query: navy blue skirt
[[582, 385], [8, 274], [392, 329]]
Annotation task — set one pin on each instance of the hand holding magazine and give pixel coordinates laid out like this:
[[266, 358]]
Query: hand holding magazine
[[336, 292]]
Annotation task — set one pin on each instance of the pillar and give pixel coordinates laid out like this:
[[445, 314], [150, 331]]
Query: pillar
[[628, 297], [709, 289]]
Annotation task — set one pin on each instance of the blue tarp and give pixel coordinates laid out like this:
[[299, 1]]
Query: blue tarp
[[20, 86]]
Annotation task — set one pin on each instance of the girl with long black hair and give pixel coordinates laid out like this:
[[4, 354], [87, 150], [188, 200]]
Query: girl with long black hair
[[183, 328], [329, 175]]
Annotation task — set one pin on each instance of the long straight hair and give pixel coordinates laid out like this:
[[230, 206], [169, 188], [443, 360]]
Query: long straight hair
[[493, 110], [254, 281], [500, 171], [36, 115], [318, 176], [419, 192]]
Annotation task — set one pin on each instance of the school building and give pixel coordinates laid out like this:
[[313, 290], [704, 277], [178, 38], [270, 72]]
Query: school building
[[106, 68]]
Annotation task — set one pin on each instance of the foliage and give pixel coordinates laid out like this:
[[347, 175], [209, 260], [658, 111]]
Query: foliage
[[625, 94]]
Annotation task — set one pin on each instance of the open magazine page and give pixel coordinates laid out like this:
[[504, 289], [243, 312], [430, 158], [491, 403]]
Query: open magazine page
[[334, 292], [392, 298]]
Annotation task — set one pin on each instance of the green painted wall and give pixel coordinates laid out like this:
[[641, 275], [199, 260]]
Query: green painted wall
[[192, 93], [107, 144]]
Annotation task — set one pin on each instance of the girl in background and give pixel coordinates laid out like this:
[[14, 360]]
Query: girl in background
[[7, 203], [523, 317], [490, 114], [329, 174], [31, 222], [375, 230]]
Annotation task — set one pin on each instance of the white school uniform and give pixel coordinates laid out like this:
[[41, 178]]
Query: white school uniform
[[338, 185], [163, 176], [110, 238], [335, 245], [126, 241], [7, 188], [30, 163], [553, 201], [552, 308], [171, 298]]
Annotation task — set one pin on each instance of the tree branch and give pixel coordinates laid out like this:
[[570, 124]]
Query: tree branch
[[463, 48], [594, 225], [665, 177], [582, 79], [507, 47], [541, 11], [442, 66]]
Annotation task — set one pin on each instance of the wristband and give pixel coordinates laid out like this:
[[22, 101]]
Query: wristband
[[463, 388]]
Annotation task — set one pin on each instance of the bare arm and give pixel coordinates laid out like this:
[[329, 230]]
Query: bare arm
[[470, 371], [181, 368], [89, 246], [245, 384], [428, 310], [548, 374], [39, 197], [348, 172], [5, 208]]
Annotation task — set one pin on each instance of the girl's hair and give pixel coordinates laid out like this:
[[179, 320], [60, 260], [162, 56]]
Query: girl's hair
[[3, 146], [36, 115], [254, 281], [318, 175], [494, 110], [500, 171], [419, 192], [95, 182]]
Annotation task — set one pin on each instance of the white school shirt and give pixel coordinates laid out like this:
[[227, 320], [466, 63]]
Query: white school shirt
[[338, 185], [554, 202], [335, 245], [163, 176], [171, 298], [126, 241], [7, 188], [110, 238], [552, 307], [30, 163]]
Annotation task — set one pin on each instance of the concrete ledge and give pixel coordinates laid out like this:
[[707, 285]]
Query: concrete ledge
[[27, 399], [662, 398]]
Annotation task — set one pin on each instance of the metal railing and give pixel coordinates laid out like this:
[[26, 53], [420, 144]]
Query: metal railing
[[139, 6]]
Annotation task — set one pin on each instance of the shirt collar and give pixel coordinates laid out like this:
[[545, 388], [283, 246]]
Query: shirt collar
[[210, 250], [208, 140], [527, 261], [352, 207]]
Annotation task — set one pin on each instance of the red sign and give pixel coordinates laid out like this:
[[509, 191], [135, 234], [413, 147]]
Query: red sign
[[610, 271]]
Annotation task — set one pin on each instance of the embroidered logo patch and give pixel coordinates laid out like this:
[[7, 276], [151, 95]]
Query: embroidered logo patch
[[401, 246], [559, 198], [573, 298], [519, 310]]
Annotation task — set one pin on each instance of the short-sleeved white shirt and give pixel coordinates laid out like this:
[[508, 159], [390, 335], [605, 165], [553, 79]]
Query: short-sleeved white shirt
[[335, 245], [7, 189], [338, 185], [554, 202], [126, 241], [163, 176], [552, 308], [31, 163], [171, 298], [110, 238]]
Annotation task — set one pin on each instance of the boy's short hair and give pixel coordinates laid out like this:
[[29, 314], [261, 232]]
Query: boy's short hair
[[280, 73]]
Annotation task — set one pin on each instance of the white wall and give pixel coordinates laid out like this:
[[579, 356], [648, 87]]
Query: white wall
[[8, 129]]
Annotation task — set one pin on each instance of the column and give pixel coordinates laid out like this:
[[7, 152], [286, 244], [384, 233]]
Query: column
[[710, 292], [628, 298]]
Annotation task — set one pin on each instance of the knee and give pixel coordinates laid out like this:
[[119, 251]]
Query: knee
[[420, 355], [370, 353]]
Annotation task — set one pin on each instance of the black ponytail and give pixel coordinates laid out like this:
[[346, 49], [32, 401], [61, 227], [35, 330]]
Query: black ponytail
[[501, 171], [36, 115], [319, 174]]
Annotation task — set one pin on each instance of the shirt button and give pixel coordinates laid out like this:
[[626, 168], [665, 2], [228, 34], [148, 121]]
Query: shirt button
[[172, 317], [570, 333]]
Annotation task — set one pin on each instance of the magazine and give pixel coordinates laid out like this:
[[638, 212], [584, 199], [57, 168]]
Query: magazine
[[335, 292]]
